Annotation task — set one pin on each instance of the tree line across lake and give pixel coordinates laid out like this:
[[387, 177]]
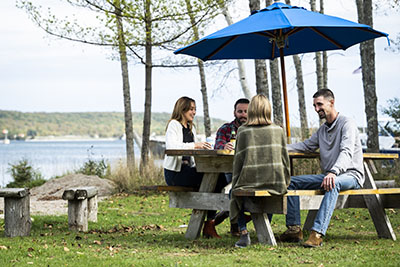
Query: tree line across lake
[[23, 125]]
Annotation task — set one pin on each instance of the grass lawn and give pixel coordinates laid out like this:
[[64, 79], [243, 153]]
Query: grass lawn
[[141, 230]]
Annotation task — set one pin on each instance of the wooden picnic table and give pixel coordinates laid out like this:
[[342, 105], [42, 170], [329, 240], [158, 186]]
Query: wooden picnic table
[[214, 162]]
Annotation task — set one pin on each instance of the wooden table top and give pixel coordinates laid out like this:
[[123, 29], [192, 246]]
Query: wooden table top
[[215, 152]]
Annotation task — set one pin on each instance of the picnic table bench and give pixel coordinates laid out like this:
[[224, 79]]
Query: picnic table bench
[[259, 203]]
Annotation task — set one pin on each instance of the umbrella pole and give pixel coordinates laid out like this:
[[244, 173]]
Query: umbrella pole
[[285, 98]]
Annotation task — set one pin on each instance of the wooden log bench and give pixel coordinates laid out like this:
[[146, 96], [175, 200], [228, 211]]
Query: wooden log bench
[[17, 220], [82, 207]]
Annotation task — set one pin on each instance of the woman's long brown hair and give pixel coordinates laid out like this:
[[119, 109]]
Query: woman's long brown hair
[[182, 105]]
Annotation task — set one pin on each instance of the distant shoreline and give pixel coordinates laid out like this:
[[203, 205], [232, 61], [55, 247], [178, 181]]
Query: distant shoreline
[[70, 138]]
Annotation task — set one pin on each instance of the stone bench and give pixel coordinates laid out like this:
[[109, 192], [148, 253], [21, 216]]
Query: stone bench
[[82, 207], [17, 220]]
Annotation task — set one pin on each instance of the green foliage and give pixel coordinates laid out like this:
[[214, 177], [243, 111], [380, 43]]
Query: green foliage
[[93, 167], [25, 175], [101, 124], [393, 109]]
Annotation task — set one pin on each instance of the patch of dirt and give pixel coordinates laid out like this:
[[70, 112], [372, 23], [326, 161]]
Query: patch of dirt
[[47, 198]]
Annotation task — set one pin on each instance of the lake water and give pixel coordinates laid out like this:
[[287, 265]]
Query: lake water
[[53, 158]]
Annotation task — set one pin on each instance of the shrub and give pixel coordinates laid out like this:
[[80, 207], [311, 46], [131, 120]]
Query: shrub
[[92, 167], [25, 175]]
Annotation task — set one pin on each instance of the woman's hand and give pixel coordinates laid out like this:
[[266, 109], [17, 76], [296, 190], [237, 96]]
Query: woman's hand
[[202, 145]]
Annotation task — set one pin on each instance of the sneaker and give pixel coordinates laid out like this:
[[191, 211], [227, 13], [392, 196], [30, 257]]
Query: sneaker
[[244, 241], [314, 240], [292, 234]]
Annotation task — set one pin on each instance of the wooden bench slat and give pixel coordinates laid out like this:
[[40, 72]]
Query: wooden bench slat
[[265, 193], [14, 192], [168, 188], [79, 193]]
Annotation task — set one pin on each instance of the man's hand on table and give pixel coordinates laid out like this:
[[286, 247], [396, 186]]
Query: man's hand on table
[[229, 146]]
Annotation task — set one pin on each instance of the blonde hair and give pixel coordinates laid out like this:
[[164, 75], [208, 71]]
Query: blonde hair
[[259, 111], [182, 105]]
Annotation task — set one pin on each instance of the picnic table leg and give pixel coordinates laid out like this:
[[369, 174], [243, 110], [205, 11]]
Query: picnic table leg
[[263, 228], [197, 219], [310, 219], [376, 210]]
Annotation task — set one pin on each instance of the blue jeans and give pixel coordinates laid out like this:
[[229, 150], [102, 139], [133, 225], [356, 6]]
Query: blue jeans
[[313, 182]]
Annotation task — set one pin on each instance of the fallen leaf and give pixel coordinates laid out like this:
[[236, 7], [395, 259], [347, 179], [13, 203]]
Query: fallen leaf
[[80, 253], [3, 247], [30, 255], [97, 242], [66, 249], [29, 262], [30, 249], [45, 246]]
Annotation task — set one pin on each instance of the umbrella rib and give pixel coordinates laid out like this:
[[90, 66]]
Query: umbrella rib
[[293, 31], [327, 38], [273, 37], [221, 47], [372, 31]]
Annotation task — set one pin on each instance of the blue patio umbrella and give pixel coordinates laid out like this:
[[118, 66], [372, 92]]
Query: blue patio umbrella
[[277, 31]]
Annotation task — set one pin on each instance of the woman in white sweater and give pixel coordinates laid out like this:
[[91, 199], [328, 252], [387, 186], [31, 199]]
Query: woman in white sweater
[[181, 134], [181, 170]]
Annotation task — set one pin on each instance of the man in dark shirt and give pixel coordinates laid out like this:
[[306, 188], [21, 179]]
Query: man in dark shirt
[[223, 141]]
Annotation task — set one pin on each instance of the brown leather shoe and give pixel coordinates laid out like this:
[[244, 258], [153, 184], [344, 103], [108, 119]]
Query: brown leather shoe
[[314, 240], [292, 234], [209, 230]]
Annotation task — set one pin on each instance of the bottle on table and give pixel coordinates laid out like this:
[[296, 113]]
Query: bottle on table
[[233, 138]]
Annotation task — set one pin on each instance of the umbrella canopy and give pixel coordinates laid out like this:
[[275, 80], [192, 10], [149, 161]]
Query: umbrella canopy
[[277, 31]]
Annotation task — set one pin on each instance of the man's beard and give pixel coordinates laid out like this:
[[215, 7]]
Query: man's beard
[[241, 121]]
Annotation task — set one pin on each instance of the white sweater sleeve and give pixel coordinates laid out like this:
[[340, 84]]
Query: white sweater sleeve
[[174, 137]]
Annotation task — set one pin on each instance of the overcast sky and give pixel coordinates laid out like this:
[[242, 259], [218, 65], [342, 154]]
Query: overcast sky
[[38, 73]]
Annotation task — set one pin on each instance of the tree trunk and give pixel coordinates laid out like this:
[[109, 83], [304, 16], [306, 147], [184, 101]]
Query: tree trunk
[[148, 88], [367, 50], [277, 109], [318, 59], [324, 54], [260, 66], [130, 154], [241, 67], [300, 91], [276, 92], [305, 133], [207, 123]]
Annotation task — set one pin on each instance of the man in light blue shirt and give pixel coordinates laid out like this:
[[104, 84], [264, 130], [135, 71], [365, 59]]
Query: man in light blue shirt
[[341, 161]]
